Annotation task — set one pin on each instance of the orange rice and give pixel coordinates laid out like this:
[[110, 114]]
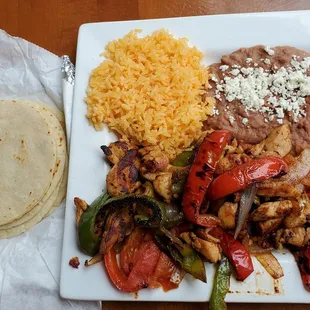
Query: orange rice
[[149, 90]]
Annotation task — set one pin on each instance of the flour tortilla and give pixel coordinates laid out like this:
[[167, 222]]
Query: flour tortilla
[[62, 191], [27, 158], [59, 114], [52, 203], [58, 172]]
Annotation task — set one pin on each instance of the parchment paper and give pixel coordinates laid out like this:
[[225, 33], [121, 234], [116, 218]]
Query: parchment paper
[[30, 263]]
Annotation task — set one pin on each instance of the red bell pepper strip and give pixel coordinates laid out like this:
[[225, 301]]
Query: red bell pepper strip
[[303, 261], [140, 274], [237, 254], [307, 255], [243, 176], [201, 175], [130, 251], [165, 270], [305, 277], [181, 228]]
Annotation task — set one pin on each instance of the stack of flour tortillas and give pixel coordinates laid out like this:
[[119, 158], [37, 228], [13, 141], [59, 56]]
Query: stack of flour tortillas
[[33, 164]]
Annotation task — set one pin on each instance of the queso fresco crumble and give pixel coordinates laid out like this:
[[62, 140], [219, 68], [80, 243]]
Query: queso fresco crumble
[[272, 91]]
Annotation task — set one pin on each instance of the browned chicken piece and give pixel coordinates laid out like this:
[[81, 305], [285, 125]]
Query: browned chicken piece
[[253, 149], [203, 233], [294, 236], [116, 150], [269, 226], [151, 176], [81, 206], [305, 204], [300, 214], [211, 251], [230, 161], [278, 143], [123, 177], [227, 215], [271, 210], [164, 180], [153, 159], [118, 225], [278, 240], [275, 188], [176, 172], [163, 186], [145, 189], [233, 148], [296, 207], [292, 220]]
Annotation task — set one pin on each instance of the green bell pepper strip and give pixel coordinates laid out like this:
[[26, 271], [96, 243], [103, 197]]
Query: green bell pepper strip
[[88, 238], [221, 285], [91, 224], [183, 254], [149, 213], [184, 159]]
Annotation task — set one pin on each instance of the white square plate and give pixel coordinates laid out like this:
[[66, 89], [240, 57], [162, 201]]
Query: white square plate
[[214, 36]]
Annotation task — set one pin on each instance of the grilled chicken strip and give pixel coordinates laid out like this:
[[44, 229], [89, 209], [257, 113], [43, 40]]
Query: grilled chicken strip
[[277, 143], [211, 251], [230, 161], [294, 236], [269, 226], [227, 215], [116, 151], [123, 177], [271, 210], [153, 159]]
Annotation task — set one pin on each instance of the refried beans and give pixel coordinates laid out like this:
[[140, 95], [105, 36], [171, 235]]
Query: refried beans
[[252, 126]]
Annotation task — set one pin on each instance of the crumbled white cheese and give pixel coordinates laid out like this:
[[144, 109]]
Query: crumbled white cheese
[[216, 111], [209, 86], [247, 71], [224, 67], [255, 64], [248, 60], [235, 72], [231, 119], [214, 79], [295, 57], [245, 121], [269, 51], [280, 112], [273, 93], [236, 66], [267, 61]]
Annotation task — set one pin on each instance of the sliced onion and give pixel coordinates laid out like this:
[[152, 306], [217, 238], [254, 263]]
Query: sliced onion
[[94, 260], [246, 201], [256, 249], [299, 169]]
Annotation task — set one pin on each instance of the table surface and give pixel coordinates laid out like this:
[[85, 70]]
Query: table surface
[[54, 24]]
